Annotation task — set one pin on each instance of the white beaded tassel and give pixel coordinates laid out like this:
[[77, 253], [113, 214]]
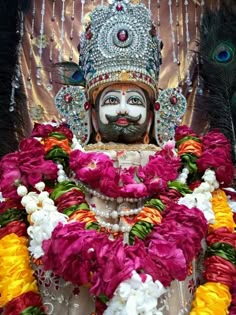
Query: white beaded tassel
[[29, 78], [82, 10], [41, 32], [52, 35], [188, 80], [172, 31], [202, 9], [62, 31], [158, 18], [72, 29], [196, 21], [178, 41]]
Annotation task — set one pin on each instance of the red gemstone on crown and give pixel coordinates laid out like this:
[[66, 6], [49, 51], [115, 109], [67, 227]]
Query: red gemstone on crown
[[68, 98], [122, 35], [119, 7], [173, 100], [87, 106], [157, 106]]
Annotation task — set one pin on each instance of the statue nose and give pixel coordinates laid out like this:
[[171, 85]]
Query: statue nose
[[123, 108]]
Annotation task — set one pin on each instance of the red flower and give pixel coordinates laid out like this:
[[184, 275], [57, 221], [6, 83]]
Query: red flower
[[41, 130], [64, 130], [184, 131], [89, 167], [219, 159], [222, 235]]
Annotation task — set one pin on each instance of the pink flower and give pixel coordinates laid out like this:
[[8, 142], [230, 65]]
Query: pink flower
[[218, 159], [41, 130], [71, 252], [156, 174], [136, 190], [89, 166], [64, 130], [127, 176], [214, 139], [116, 262], [171, 256], [32, 164], [10, 175], [184, 131], [109, 180]]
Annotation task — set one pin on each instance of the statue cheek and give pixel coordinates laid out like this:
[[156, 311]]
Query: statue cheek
[[107, 110]]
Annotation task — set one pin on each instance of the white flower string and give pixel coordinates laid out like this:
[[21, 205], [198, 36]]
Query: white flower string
[[41, 33], [29, 78], [172, 31], [202, 195], [137, 295], [149, 4], [182, 178], [62, 31], [44, 216]]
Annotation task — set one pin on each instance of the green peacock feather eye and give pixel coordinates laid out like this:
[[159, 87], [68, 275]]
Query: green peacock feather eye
[[223, 53]]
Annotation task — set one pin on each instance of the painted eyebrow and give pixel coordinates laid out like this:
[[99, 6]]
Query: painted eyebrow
[[139, 93], [111, 91]]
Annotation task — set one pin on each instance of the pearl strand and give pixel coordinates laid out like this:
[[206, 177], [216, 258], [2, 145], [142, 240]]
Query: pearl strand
[[118, 199], [114, 227], [115, 214]]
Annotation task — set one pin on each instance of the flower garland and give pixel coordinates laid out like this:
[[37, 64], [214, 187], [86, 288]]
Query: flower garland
[[161, 255]]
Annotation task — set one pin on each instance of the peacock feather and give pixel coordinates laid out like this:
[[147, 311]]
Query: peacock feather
[[218, 70]]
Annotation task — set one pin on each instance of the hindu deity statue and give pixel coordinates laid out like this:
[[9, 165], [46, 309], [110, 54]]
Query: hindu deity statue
[[112, 212]]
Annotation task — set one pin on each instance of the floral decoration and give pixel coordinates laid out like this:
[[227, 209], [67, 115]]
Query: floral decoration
[[184, 203]]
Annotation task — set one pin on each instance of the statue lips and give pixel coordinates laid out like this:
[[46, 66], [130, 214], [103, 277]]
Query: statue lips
[[122, 122]]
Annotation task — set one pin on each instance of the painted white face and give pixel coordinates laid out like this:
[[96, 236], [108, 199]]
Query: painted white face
[[124, 103]]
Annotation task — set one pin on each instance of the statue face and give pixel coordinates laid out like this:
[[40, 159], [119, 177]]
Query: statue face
[[123, 113]]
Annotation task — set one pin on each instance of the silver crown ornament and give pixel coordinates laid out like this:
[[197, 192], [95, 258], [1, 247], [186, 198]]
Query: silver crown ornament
[[72, 104], [120, 45], [168, 111]]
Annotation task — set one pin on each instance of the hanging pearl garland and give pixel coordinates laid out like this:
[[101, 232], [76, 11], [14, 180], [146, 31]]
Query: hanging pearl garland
[[114, 227], [115, 214], [62, 32]]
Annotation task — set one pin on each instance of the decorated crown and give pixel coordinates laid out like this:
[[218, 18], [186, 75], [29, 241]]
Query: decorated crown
[[120, 45]]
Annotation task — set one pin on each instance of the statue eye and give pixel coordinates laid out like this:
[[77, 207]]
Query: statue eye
[[134, 100], [111, 100], [223, 53]]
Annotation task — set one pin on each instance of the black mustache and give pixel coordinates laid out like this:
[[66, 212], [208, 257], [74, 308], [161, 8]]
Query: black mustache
[[133, 119]]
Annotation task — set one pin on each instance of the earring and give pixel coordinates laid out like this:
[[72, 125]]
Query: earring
[[98, 137], [146, 139]]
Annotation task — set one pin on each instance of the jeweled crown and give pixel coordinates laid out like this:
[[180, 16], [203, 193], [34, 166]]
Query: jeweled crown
[[120, 45]]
